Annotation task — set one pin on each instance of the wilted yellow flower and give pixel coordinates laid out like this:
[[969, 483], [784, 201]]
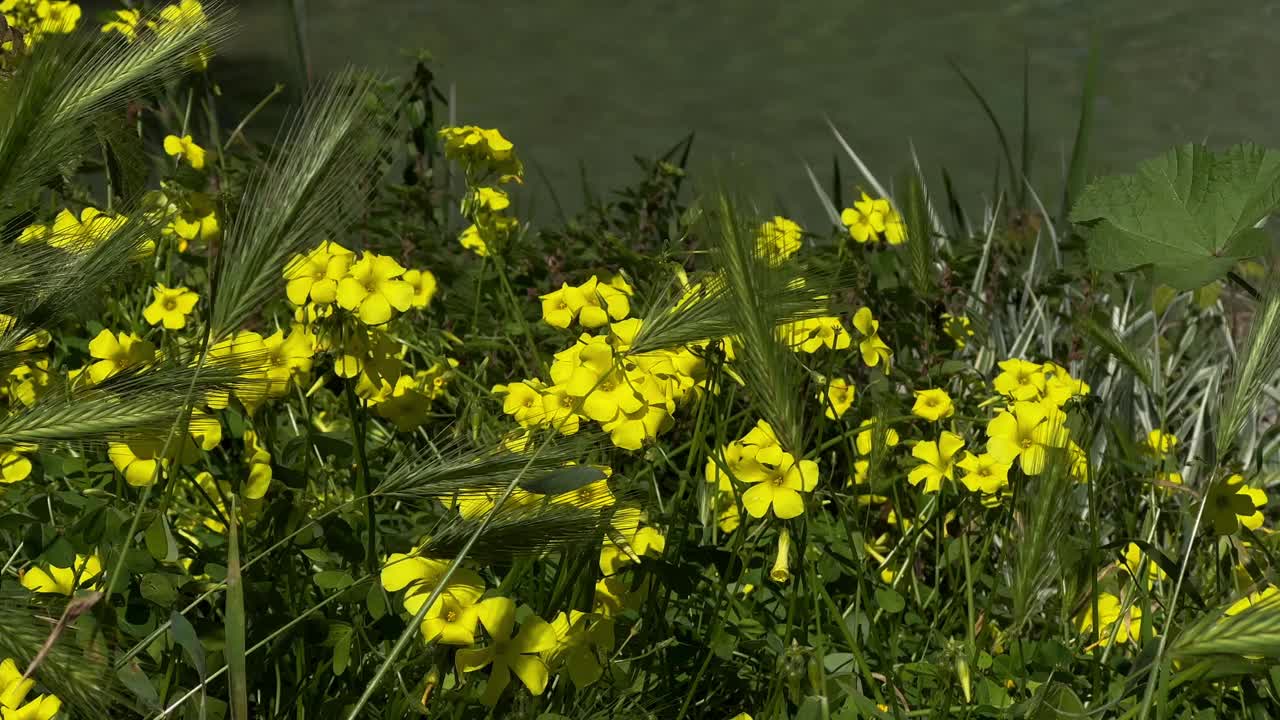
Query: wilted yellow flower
[[957, 327]]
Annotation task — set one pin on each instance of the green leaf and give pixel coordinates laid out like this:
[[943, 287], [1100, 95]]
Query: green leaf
[[1188, 214], [333, 579], [158, 589], [184, 634], [160, 541], [890, 601], [340, 637], [139, 684]]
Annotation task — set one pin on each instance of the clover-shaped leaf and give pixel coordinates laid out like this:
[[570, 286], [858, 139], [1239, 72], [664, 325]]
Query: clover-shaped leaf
[[1189, 215]]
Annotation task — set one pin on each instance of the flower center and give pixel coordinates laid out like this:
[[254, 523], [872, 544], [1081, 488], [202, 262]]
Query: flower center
[[170, 304]]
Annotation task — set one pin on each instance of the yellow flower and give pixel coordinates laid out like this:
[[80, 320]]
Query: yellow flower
[[932, 405], [864, 220], [125, 22], [374, 289], [139, 460], [184, 148], [1161, 443], [197, 220], [64, 581], [560, 307], [14, 466], [872, 434], [1232, 504], [472, 240], [780, 485], [180, 15], [1060, 387], [315, 275], [812, 334], [957, 327], [874, 350], [80, 234], [259, 480], [778, 239], [1134, 559], [600, 302], [116, 352], [1025, 434], [837, 397], [452, 619], [581, 640], [482, 152], [1020, 380], [938, 461], [1124, 629], [984, 473], [507, 654], [486, 199], [1264, 597], [13, 696], [287, 357], [423, 283], [170, 307], [895, 230], [57, 17]]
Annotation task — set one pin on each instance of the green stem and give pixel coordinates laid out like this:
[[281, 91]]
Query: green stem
[[361, 472]]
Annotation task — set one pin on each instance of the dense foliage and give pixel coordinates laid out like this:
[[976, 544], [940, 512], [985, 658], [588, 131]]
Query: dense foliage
[[325, 428]]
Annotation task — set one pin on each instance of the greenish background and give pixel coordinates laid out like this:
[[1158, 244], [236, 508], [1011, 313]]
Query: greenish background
[[573, 81]]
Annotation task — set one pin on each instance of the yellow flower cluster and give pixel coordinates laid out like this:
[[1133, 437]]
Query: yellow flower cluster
[[21, 387], [631, 395], [778, 239], [777, 480], [373, 289], [593, 303], [406, 400], [486, 157], [872, 220], [1029, 428], [13, 696], [37, 19], [573, 642], [187, 216], [79, 234]]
